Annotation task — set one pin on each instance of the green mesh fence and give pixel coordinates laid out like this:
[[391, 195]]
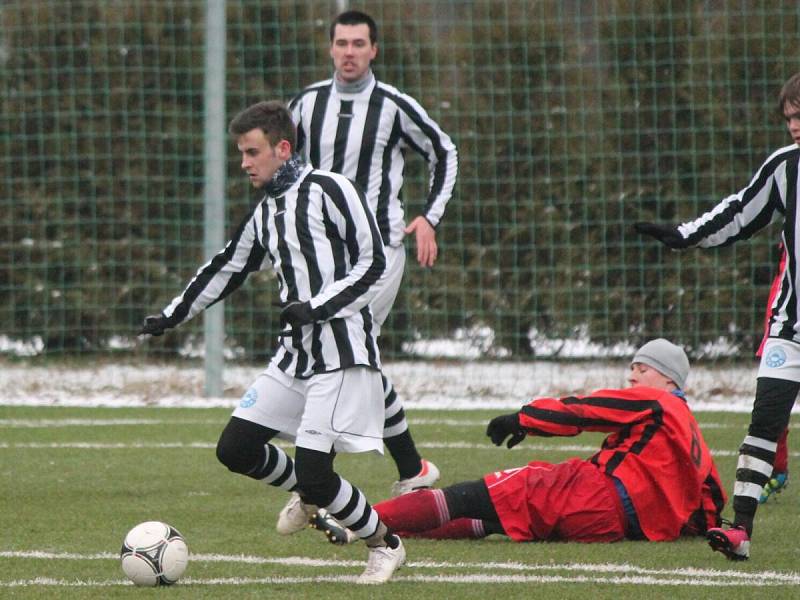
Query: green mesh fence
[[573, 119]]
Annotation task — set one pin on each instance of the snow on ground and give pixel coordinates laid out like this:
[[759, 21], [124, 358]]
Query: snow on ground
[[424, 384]]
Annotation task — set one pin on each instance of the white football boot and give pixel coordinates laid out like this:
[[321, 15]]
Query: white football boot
[[382, 563], [294, 516]]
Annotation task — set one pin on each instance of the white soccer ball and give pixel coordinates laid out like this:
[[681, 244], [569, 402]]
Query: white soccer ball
[[154, 553]]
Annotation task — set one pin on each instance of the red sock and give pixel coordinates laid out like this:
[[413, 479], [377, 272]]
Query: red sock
[[417, 511], [458, 529], [781, 464]]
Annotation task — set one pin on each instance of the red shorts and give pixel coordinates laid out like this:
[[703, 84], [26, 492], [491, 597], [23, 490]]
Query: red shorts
[[572, 500]]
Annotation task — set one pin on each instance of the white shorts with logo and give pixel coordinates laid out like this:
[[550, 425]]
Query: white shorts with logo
[[389, 283], [342, 410], [780, 359]]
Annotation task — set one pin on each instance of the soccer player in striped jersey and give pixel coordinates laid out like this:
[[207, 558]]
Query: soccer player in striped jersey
[[653, 477], [771, 195], [322, 386], [361, 127]]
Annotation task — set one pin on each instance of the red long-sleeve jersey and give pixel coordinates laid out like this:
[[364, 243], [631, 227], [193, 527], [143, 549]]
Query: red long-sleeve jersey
[[655, 449]]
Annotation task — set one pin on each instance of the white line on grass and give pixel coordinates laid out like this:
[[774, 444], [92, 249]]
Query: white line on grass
[[449, 579], [207, 445], [633, 575], [47, 423], [133, 421]]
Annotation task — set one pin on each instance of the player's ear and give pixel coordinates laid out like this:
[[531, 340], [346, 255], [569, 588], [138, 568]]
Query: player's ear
[[283, 150]]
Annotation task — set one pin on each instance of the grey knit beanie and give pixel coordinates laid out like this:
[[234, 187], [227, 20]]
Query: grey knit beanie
[[666, 358]]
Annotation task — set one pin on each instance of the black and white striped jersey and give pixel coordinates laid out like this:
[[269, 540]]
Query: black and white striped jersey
[[364, 136], [324, 246], [772, 194]]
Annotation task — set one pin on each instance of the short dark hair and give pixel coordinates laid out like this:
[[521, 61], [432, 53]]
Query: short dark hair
[[356, 17], [270, 116], [790, 92]]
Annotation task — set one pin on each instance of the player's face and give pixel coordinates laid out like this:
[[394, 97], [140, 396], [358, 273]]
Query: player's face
[[352, 51], [645, 375], [791, 113], [260, 160]]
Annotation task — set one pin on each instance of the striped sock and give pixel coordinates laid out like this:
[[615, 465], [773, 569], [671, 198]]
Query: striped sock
[[277, 469], [753, 470], [351, 509]]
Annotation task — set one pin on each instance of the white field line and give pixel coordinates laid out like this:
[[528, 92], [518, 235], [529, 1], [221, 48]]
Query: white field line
[[48, 423], [133, 421], [209, 446], [397, 579], [455, 403], [631, 574]]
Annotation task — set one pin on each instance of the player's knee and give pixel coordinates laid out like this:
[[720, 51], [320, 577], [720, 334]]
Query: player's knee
[[236, 456], [241, 446]]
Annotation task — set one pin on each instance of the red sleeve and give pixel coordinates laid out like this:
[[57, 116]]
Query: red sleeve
[[603, 410]]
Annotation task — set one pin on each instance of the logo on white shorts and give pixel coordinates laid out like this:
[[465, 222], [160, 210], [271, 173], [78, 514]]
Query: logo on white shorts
[[249, 398], [775, 358]]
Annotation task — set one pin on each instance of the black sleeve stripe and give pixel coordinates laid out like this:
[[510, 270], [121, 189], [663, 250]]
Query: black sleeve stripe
[[254, 260], [612, 403], [561, 418], [202, 280], [382, 210], [441, 167], [726, 216]]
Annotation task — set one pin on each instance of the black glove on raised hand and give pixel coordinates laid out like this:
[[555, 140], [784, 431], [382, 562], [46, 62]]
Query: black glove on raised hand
[[666, 234], [296, 314], [503, 426], [155, 325]]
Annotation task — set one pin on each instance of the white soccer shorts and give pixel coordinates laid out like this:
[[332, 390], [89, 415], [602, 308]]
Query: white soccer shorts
[[342, 410], [780, 359]]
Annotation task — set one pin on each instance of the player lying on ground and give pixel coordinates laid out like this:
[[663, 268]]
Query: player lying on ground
[[652, 479]]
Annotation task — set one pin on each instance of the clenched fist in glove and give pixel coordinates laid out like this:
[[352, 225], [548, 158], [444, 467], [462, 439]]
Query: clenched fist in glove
[[155, 325], [503, 426], [296, 314], [666, 234]]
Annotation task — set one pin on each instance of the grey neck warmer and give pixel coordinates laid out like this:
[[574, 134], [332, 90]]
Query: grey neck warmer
[[353, 87]]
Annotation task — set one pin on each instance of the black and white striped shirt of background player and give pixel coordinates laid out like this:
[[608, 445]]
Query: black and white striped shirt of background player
[[771, 194], [364, 136], [324, 246]]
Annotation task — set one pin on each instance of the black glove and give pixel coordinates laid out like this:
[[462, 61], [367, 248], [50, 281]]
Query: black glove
[[296, 314], [501, 427], [666, 234], [155, 325]]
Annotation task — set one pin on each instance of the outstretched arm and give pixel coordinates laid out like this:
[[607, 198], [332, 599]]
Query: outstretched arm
[[215, 280]]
